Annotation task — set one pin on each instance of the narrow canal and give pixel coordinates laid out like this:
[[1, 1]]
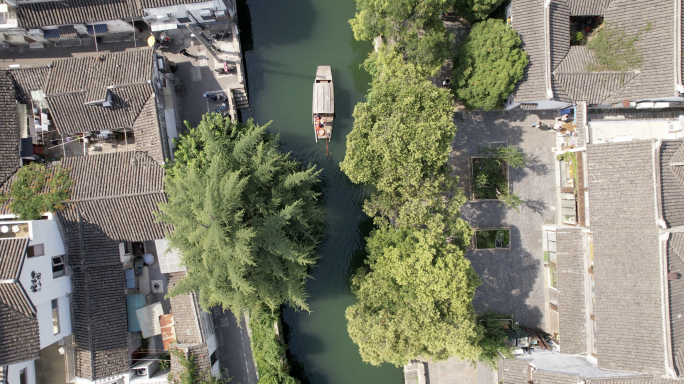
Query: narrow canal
[[284, 41]]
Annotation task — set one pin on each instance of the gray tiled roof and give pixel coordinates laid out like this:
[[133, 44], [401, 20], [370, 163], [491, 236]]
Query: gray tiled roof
[[100, 321], [588, 7], [571, 272], [18, 336], [633, 380], [113, 174], [593, 87], [545, 377], [146, 131], [14, 296], [114, 198], [73, 82], [559, 27], [91, 74], [672, 181], [29, 79], [656, 46], [526, 17], [515, 371], [184, 310], [71, 114], [118, 193], [12, 253], [18, 323], [675, 264], [571, 79], [199, 353], [31, 15], [9, 128], [626, 257]]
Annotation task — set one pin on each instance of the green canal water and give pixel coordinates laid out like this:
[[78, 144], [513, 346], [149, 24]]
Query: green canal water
[[284, 41]]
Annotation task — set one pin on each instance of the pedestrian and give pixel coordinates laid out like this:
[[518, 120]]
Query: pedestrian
[[446, 83], [184, 52]]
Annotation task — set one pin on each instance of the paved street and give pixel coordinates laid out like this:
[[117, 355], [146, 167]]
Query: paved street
[[235, 353], [512, 280]]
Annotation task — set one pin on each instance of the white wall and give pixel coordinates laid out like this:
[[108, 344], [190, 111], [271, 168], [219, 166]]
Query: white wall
[[14, 369], [47, 233], [44, 314], [181, 10]]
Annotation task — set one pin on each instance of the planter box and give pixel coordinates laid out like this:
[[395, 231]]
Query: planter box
[[498, 238], [472, 163]]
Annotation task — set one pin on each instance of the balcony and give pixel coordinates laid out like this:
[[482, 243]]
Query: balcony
[[14, 230]]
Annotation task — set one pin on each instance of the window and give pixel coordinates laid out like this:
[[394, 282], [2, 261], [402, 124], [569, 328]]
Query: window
[[35, 250], [213, 358], [55, 316], [22, 376], [57, 266]]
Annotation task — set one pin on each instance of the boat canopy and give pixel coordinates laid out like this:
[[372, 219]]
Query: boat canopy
[[324, 98]]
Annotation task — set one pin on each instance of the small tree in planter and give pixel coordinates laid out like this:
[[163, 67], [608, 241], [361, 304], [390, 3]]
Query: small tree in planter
[[490, 174]]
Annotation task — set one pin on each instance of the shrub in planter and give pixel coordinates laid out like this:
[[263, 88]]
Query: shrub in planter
[[490, 174]]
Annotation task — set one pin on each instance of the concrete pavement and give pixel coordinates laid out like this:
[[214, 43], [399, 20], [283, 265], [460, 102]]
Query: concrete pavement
[[235, 352]]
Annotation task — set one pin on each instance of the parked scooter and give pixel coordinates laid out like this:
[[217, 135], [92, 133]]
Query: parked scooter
[[215, 97], [225, 70]]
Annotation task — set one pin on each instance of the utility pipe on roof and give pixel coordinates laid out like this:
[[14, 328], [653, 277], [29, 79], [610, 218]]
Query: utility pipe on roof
[[547, 48], [678, 46]]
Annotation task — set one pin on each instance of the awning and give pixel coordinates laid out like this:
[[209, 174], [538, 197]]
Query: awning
[[168, 330], [67, 31], [26, 147], [156, 27], [133, 303], [98, 28], [148, 317], [324, 98], [130, 278], [51, 33]]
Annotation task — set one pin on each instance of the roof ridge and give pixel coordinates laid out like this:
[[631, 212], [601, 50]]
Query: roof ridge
[[116, 196]]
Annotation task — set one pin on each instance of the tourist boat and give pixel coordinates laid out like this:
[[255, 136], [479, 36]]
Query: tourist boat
[[323, 104]]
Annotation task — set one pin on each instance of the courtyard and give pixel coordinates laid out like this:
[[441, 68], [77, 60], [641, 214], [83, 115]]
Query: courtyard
[[513, 276]]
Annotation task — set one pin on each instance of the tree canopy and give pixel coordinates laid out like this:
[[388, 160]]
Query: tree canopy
[[413, 28], [475, 10], [246, 216], [488, 65], [37, 189], [415, 300], [401, 136]]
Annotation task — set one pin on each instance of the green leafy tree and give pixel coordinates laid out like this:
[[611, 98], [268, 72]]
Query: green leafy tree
[[413, 28], [268, 348], [246, 217], [191, 373], [493, 341], [401, 136], [476, 10], [414, 300], [488, 65], [37, 189]]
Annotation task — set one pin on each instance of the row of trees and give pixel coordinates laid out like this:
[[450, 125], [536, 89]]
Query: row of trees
[[488, 63], [247, 220], [414, 28], [415, 293]]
